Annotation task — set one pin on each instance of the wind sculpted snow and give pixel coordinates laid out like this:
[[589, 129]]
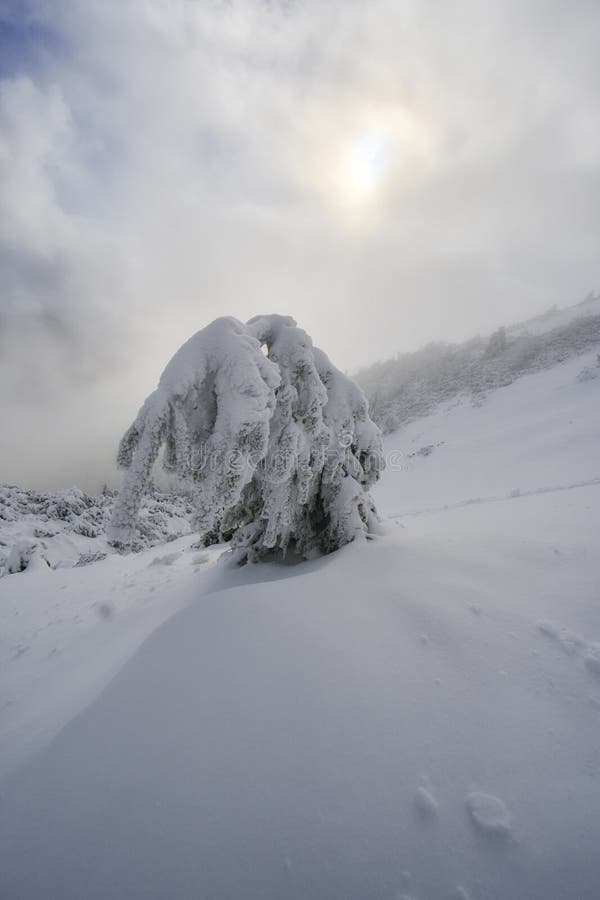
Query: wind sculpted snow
[[268, 741]]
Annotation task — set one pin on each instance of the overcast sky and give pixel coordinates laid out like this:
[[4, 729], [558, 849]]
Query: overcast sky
[[389, 172]]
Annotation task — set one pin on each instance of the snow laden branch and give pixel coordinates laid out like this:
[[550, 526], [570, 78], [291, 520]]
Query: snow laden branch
[[274, 441]]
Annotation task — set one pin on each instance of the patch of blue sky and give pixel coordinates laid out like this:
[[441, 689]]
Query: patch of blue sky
[[27, 40], [30, 46]]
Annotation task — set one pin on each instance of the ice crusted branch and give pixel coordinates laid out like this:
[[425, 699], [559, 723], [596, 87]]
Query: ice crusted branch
[[276, 442]]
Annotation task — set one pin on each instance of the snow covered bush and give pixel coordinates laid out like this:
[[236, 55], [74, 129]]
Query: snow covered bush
[[589, 373], [68, 527], [25, 554], [275, 442]]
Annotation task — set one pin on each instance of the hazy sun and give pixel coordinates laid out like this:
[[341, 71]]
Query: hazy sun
[[361, 156], [365, 163]]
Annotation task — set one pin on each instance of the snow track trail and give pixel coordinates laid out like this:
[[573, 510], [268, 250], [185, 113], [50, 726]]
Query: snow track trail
[[516, 494]]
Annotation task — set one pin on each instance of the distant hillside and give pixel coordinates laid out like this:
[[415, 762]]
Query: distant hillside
[[413, 384]]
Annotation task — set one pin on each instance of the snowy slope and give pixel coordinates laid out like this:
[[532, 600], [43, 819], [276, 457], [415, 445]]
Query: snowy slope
[[65, 632], [541, 432], [556, 318], [414, 385], [414, 717]]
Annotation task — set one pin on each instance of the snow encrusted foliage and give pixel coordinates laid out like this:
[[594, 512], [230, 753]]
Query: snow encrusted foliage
[[412, 385], [68, 527], [276, 442]]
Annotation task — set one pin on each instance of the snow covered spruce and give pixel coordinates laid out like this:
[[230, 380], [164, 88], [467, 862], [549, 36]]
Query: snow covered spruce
[[276, 443]]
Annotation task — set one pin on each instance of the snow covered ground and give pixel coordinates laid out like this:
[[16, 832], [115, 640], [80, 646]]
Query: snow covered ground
[[411, 386], [414, 717], [65, 632], [541, 433]]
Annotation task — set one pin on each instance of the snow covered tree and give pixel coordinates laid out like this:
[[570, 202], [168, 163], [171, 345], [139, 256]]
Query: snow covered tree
[[274, 441], [497, 344]]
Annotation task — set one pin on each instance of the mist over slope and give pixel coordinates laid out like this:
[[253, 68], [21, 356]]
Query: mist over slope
[[412, 384]]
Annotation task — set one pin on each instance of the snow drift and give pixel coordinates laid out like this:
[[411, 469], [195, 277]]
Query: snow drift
[[413, 717]]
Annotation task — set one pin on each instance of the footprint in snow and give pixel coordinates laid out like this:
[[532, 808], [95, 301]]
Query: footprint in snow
[[569, 641], [488, 814], [167, 560], [572, 643], [200, 558], [426, 805], [592, 659], [459, 893], [104, 611]]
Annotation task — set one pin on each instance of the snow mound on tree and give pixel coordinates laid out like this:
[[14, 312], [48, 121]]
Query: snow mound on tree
[[275, 442]]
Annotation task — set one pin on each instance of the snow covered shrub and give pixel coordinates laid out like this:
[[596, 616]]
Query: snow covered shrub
[[497, 344], [411, 385], [274, 441], [25, 554], [588, 373]]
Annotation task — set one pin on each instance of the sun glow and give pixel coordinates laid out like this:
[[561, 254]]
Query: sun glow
[[361, 156], [366, 162]]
